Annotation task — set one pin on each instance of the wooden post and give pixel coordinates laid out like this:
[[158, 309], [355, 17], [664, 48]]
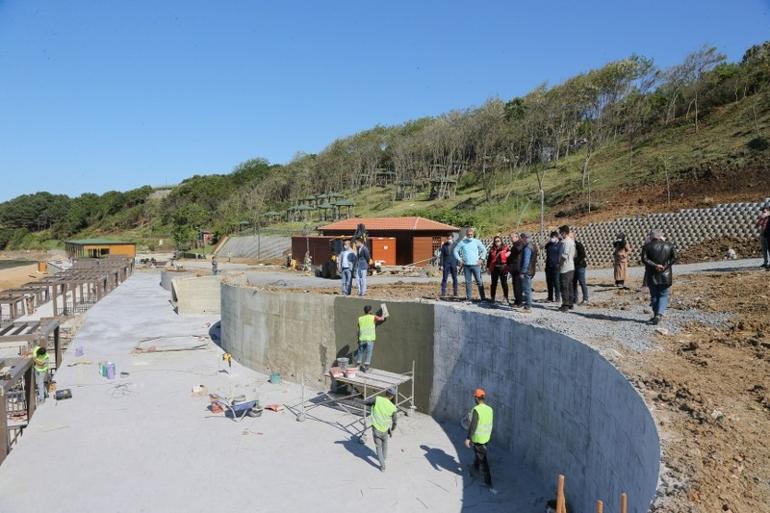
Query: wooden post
[[53, 300], [561, 507], [57, 347], [30, 391], [4, 443], [623, 503], [64, 298], [599, 507]]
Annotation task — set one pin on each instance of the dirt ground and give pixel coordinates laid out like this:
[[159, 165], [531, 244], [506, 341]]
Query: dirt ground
[[707, 386], [701, 191], [15, 276], [709, 389]]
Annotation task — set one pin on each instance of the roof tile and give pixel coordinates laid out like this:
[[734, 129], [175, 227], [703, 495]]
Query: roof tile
[[414, 224]]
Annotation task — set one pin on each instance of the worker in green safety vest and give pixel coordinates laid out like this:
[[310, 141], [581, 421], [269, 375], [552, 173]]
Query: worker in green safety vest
[[367, 334], [479, 434], [384, 415], [40, 361]]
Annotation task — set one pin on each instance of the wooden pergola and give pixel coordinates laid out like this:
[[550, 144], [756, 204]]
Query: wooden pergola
[[22, 336], [85, 283], [17, 400]]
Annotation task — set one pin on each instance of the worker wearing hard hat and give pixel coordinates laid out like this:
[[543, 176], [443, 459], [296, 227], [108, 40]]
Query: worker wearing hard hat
[[384, 416], [479, 434]]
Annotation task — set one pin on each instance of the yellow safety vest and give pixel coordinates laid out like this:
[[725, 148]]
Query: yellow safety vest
[[366, 331], [382, 414], [484, 427], [41, 362]]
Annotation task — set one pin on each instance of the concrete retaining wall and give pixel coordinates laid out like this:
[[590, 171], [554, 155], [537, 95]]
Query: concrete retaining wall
[[196, 295], [560, 407], [261, 247], [166, 276], [276, 332]]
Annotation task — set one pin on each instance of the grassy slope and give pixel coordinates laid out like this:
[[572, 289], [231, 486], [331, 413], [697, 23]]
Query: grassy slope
[[720, 143]]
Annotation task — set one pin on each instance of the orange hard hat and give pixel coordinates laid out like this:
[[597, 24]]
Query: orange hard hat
[[479, 393]]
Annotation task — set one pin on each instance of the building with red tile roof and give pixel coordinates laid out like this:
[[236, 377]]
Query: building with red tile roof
[[396, 240]]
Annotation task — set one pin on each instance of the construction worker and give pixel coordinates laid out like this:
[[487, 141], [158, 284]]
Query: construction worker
[[40, 361], [367, 324], [384, 417], [214, 266], [479, 434]]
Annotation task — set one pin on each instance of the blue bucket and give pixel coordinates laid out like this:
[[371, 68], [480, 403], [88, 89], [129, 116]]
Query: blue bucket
[[275, 378]]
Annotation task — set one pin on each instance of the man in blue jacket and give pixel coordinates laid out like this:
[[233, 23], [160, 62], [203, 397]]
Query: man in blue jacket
[[527, 270], [470, 252]]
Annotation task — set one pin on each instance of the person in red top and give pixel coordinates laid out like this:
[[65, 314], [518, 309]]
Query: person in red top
[[497, 260]]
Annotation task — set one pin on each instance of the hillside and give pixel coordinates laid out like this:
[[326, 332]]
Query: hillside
[[628, 137]]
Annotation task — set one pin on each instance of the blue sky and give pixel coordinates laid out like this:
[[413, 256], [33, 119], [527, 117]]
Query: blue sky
[[105, 95]]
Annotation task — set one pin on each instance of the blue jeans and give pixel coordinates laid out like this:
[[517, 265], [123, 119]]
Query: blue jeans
[[446, 272], [765, 249], [40, 378], [659, 295], [361, 280], [526, 289], [347, 281], [473, 272], [580, 278], [364, 351]]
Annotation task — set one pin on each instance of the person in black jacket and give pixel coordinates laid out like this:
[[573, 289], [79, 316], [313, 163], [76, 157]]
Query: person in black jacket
[[552, 254], [658, 257], [448, 265], [580, 272]]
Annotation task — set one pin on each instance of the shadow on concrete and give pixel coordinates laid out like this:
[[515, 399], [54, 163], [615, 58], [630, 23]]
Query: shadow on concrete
[[363, 451], [605, 317], [215, 332], [439, 459]]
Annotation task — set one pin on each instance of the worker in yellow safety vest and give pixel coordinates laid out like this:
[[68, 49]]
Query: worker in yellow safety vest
[[479, 434], [384, 414], [367, 334], [40, 361]]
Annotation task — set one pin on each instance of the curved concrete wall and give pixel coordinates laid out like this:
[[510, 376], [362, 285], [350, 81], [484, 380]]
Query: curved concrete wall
[[560, 407], [196, 295], [166, 276]]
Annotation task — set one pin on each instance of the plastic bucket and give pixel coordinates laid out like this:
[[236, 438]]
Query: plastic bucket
[[275, 378]]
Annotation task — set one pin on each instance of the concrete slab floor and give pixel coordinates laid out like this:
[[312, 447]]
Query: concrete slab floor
[[144, 443]]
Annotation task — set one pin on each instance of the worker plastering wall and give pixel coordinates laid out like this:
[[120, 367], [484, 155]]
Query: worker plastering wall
[[560, 407]]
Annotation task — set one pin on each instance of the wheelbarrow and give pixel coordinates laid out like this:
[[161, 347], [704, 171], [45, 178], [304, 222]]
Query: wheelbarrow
[[237, 409]]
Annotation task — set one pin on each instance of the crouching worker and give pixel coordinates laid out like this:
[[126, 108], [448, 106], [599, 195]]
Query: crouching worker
[[40, 360], [384, 416]]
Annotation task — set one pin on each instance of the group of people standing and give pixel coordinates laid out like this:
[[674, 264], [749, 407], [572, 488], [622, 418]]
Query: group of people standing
[[354, 261], [565, 267]]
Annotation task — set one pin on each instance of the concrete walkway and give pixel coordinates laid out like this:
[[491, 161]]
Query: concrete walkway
[[143, 442]]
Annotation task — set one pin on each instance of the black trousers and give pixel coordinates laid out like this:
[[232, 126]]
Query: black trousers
[[502, 275], [552, 282], [481, 461], [567, 299]]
